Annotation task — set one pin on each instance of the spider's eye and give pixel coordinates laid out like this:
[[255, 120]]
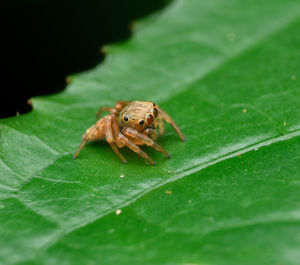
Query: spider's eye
[[150, 119], [155, 112], [154, 104], [141, 122], [126, 118]]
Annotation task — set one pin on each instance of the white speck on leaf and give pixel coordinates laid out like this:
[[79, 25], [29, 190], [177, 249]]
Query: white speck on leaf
[[231, 36]]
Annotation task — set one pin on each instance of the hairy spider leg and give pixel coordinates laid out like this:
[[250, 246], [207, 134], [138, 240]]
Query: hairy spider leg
[[166, 117], [84, 140], [104, 109], [161, 126], [116, 110], [125, 141], [144, 139]]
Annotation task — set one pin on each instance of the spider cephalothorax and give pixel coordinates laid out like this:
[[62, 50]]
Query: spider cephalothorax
[[138, 115], [130, 123]]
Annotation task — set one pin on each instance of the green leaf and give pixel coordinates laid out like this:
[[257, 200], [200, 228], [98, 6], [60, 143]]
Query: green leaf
[[228, 72]]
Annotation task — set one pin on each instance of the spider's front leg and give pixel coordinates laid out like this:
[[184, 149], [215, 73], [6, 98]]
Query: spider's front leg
[[166, 117], [144, 139], [123, 140], [117, 139]]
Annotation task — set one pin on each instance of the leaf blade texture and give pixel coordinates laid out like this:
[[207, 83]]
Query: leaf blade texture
[[228, 73]]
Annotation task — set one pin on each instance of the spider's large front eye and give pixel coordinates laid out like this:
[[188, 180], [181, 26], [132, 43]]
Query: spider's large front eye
[[150, 119], [126, 118], [155, 112]]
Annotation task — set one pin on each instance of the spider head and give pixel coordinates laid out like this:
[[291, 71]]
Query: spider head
[[138, 115]]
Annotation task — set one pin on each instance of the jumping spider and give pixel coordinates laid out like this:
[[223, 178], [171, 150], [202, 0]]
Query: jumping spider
[[130, 123]]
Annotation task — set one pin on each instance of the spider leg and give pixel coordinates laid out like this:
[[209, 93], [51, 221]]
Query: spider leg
[[145, 139], [161, 126], [151, 132], [166, 117], [121, 105], [116, 110], [83, 143], [85, 139], [112, 129], [125, 141], [97, 131], [104, 109]]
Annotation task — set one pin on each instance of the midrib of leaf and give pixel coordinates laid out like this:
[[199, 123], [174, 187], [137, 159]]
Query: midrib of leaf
[[182, 174], [61, 233]]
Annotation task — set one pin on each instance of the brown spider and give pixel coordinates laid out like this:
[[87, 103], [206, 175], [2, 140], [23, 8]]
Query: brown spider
[[130, 123]]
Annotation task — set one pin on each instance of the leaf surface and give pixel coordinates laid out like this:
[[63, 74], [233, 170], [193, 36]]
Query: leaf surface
[[228, 72]]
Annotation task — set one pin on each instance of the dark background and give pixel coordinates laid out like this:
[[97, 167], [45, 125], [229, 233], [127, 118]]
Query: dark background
[[44, 41]]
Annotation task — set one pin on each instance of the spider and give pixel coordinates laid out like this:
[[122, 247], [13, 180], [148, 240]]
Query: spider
[[130, 123]]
